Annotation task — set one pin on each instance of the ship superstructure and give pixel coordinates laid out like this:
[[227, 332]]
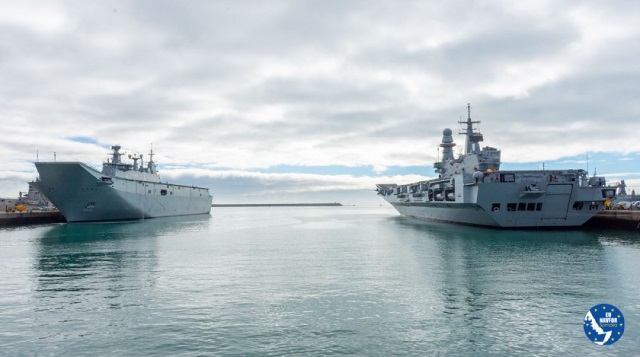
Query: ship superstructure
[[471, 189], [120, 191]]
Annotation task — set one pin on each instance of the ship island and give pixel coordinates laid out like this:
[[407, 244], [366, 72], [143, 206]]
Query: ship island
[[121, 191], [472, 190]]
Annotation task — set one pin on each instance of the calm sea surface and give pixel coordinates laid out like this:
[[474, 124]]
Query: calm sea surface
[[310, 281]]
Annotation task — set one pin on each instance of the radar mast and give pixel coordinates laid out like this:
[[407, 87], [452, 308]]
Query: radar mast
[[473, 137], [151, 166]]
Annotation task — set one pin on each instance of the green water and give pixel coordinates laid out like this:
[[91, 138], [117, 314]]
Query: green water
[[310, 281]]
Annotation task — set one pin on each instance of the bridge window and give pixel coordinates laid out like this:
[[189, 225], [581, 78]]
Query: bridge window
[[163, 192], [507, 178], [608, 193]]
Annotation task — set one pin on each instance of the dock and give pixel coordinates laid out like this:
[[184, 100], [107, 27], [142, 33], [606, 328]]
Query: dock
[[25, 218], [615, 219]]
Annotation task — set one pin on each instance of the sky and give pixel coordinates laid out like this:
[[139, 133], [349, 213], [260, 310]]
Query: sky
[[317, 101]]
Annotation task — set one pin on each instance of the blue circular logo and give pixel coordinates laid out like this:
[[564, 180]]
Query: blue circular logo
[[604, 324]]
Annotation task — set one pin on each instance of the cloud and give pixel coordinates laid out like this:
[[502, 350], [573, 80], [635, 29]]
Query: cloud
[[248, 86]]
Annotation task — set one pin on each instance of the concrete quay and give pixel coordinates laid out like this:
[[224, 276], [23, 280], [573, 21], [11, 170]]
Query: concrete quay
[[24, 218], [615, 219]]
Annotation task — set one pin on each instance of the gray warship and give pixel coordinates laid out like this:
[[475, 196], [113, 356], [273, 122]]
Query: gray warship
[[472, 190], [121, 191]]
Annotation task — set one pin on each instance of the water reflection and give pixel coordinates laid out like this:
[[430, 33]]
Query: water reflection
[[496, 285], [104, 265], [100, 231]]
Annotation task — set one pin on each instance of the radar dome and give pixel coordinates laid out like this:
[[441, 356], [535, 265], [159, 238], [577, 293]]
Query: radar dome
[[447, 139]]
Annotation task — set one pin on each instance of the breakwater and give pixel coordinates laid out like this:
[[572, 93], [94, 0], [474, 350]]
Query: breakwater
[[332, 204]]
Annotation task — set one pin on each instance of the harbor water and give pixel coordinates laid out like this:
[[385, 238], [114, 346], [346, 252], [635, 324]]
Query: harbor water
[[271, 281]]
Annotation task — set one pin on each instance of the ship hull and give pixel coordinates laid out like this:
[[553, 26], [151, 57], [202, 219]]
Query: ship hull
[[472, 214], [495, 203], [84, 194]]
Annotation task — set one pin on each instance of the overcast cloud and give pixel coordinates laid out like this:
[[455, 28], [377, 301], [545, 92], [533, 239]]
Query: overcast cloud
[[268, 101]]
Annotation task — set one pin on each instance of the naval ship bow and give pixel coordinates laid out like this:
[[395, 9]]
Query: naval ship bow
[[471, 189]]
